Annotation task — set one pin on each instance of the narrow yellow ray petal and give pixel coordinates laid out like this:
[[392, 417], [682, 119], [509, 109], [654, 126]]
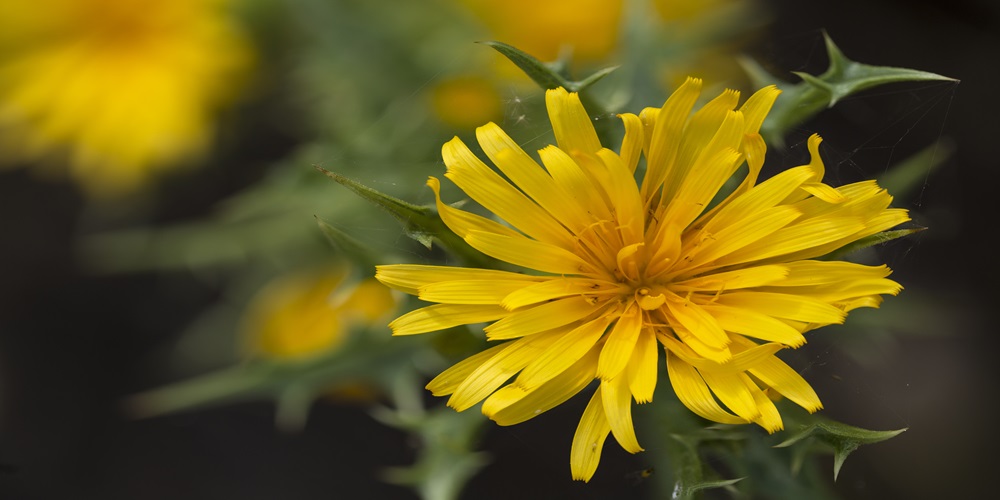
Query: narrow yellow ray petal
[[693, 392], [698, 188], [462, 222], [556, 288], [643, 367], [442, 316], [617, 402], [588, 441], [562, 353], [710, 352], [570, 122], [818, 272], [513, 404], [755, 324], [583, 196], [743, 233], [824, 192], [756, 108], [740, 362], [498, 369], [410, 277], [631, 148], [624, 194], [540, 318], [528, 175], [782, 378], [699, 323], [746, 277], [447, 381], [470, 291], [495, 194], [621, 341], [666, 135], [525, 252], [733, 390], [702, 128], [759, 198], [784, 305], [794, 238], [769, 417]]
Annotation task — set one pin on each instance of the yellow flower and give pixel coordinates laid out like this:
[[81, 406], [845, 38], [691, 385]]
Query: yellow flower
[[308, 313], [617, 268], [114, 89], [466, 101], [588, 27]]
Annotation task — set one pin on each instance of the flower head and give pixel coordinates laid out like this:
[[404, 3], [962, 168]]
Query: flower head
[[614, 269], [303, 314], [115, 89]]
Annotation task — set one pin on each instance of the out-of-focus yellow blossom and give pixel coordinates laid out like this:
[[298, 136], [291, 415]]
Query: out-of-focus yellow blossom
[[303, 314], [115, 90], [590, 28], [705, 35], [466, 101]]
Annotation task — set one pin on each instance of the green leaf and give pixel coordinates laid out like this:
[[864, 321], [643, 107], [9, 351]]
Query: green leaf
[[355, 250], [815, 93], [870, 241], [553, 75], [906, 176], [843, 438], [690, 477], [423, 224]]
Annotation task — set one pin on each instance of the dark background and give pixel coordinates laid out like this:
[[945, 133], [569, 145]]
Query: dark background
[[72, 344]]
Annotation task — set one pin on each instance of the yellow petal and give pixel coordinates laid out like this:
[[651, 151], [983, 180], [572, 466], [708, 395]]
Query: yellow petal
[[702, 128], [529, 176], [584, 198], [443, 316], [750, 322], [769, 417], [699, 323], [495, 194], [733, 390], [796, 237], [447, 381], [462, 222], [692, 390], [747, 277], [540, 318], [513, 404], [783, 305], [621, 341], [498, 369], [410, 277], [624, 195], [643, 367], [666, 135], [570, 122], [563, 353], [782, 378], [631, 148], [588, 441], [756, 108], [525, 252], [557, 288], [470, 291], [617, 402]]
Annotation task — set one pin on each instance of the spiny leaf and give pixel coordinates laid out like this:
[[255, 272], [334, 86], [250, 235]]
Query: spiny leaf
[[904, 177], [687, 464], [553, 75], [355, 250], [843, 438], [870, 241], [423, 224], [843, 77]]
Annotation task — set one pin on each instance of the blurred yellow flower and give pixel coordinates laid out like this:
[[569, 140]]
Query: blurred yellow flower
[[466, 101], [618, 268], [308, 313], [115, 90], [589, 28]]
